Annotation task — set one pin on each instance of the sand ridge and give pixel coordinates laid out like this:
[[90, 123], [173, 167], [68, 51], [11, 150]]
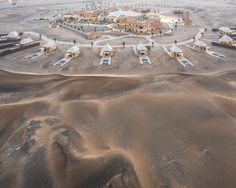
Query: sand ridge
[[163, 130]]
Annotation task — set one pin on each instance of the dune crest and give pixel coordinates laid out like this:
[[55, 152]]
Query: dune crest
[[168, 130]]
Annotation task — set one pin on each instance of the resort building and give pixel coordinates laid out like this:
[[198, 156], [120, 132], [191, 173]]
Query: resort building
[[141, 49], [138, 24], [176, 52], [87, 15], [49, 46], [107, 51], [225, 31], [13, 35], [226, 40], [26, 41], [200, 46], [73, 52]]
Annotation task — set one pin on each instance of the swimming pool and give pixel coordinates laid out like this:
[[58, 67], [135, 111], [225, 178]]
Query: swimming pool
[[105, 62]]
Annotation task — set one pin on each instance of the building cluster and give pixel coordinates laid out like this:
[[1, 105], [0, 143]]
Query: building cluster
[[139, 24]]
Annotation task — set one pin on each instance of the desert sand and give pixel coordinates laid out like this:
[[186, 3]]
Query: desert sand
[[160, 130]]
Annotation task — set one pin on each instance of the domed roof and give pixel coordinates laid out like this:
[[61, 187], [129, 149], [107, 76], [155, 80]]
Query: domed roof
[[226, 38], [107, 48], [176, 49], [13, 34], [200, 43], [26, 41], [73, 49], [141, 47]]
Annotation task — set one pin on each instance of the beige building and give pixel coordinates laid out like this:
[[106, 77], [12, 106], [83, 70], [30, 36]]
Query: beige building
[[88, 15], [139, 25]]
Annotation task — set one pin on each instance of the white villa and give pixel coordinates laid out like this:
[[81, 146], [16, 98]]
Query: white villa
[[225, 31], [107, 51], [13, 35], [200, 46], [73, 52], [226, 40], [26, 41], [176, 52], [141, 49], [49, 46]]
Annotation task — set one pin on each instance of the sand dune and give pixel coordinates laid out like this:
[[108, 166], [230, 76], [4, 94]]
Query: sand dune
[[168, 130]]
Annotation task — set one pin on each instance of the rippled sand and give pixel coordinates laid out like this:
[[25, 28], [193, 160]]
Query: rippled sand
[[167, 130]]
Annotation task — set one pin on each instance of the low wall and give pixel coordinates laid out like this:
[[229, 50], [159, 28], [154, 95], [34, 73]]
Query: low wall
[[73, 29], [10, 51], [223, 45]]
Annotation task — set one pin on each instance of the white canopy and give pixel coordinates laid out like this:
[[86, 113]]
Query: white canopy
[[141, 47], [225, 30], [49, 44], [226, 38], [73, 49], [107, 48], [13, 34], [200, 43], [176, 49], [26, 41]]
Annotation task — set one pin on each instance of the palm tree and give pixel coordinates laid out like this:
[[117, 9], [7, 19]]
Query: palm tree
[[176, 26], [175, 42], [160, 32], [202, 34], [123, 43]]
